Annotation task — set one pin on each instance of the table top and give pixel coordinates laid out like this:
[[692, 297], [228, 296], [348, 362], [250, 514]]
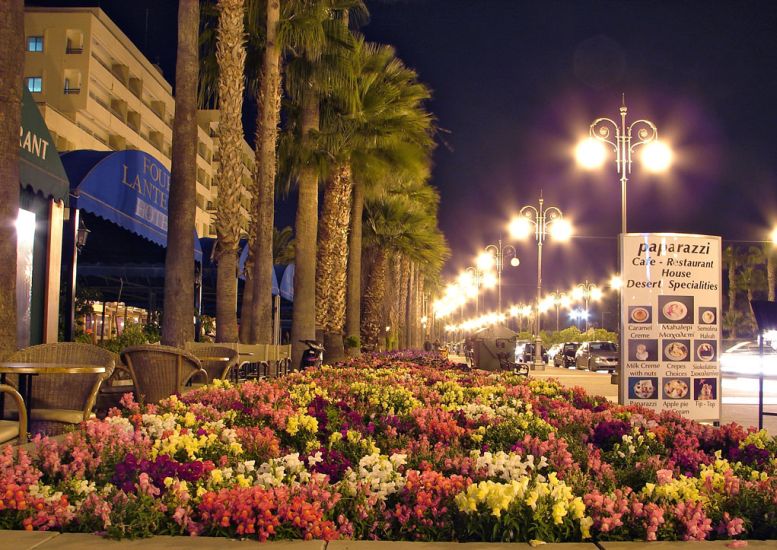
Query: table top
[[214, 358], [15, 367]]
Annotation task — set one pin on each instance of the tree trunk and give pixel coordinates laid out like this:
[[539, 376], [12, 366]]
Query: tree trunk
[[403, 288], [177, 327], [421, 313], [393, 304], [230, 55], [771, 272], [269, 102], [374, 293], [332, 260], [412, 320], [354, 277], [732, 290], [11, 73], [303, 324]]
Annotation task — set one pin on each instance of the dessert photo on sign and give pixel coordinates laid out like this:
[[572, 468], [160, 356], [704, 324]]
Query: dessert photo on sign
[[643, 350], [676, 388], [641, 314], [643, 387], [675, 310], [705, 350], [708, 315], [676, 350], [705, 389]]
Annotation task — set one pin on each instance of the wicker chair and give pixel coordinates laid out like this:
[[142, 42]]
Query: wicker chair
[[217, 361], [62, 399], [160, 371], [9, 429]]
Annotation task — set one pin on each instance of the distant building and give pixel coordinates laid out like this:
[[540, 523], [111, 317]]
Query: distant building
[[96, 90]]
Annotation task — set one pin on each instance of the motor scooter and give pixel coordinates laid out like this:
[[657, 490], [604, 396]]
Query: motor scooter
[[313, 356]]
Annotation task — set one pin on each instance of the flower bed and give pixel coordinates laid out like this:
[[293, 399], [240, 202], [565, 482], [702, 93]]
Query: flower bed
[[396, 447]]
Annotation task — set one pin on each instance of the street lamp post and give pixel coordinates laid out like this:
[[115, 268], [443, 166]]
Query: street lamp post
[[475, 273], [560, 300], [587, 291], [623, 139], [499, 252], [545, 220]]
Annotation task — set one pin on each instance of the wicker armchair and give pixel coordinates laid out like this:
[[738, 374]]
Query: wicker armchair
[[60, 399], [217, 361], [9, 429], [160, 371]]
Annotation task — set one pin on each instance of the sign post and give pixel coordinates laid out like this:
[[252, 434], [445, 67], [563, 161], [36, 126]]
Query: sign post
[[670, 323]]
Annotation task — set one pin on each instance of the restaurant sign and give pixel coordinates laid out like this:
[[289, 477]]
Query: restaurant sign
[[670, 323]]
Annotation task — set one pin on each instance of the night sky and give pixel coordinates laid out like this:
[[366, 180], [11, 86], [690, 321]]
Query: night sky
[[517, 83]]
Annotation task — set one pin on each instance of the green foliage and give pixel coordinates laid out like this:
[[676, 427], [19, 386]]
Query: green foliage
[[352, 341], [132, 335]]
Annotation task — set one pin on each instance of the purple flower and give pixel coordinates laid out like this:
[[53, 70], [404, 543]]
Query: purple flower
[[609, 432]]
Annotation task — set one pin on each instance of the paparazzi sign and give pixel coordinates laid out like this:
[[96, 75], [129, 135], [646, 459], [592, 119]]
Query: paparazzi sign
[[670, 323]]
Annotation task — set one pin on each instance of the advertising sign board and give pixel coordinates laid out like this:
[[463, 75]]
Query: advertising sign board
[[670, 323]]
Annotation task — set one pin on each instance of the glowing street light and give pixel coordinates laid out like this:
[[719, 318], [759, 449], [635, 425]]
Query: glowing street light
[[543, 221], [623, 139], [587, 292], [495, 254]]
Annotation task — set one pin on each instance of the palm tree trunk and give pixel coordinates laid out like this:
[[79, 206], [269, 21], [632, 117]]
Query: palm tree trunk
[[410, 312], [177, 327], [269, 101], [402, 285], [354, 270], [332, 259], [420, 309], [393, 300], [231, 55], [732, 290], [303, 324], [374, 292], [11, 72], [771, 272]]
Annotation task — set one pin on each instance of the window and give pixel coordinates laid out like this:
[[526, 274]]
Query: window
[[35, 84], [34, 43]]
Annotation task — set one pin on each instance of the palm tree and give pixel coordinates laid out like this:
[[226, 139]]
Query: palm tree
[[368, 128], [283, 246], [395, 226], [258, 311], [751, 277], [771, 270], [11, 72], [230, 55], [310, 74], [177, 327]]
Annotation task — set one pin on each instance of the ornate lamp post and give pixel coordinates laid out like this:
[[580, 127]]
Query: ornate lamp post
[[544, 221], [623, 139], [587, 291], [496, 254], [559, 300]]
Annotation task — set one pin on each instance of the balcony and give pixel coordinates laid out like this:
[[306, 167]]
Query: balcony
[[73, 50], [72, 91]]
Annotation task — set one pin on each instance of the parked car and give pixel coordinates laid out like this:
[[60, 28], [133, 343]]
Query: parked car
[[597, 355], [552, 352], [527, 354], [566, 355]]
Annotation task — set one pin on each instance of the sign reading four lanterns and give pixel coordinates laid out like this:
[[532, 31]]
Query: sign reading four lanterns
[[670, 307]]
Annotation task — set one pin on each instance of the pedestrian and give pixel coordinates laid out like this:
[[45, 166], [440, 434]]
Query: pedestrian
[[427, 346]]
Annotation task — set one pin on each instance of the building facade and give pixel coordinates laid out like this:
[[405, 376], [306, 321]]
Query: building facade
[[96, 90]]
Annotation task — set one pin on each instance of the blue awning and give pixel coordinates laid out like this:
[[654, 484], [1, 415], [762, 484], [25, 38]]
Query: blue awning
[[287, 283], [129, 188]]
